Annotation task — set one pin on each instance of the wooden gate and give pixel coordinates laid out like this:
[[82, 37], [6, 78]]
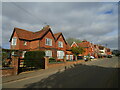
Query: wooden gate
[[22, 66]]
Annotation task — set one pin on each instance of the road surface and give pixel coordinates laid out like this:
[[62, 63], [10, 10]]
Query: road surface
[[101, 73]]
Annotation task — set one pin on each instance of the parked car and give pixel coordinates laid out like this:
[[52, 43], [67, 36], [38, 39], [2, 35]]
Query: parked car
[[91, 57], [109, 56], [86, 58]]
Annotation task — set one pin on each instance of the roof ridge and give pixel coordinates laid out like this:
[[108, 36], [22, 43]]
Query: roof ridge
[[41, 30], [23, 29], [58, 33]]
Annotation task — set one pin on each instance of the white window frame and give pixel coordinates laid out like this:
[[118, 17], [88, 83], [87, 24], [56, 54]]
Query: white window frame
[[67, 57], [71, 57], [60, 44], [47, 40], [60, 54], [23, 54], [13, 53], [48, 53], [14, 41], [25, 43]]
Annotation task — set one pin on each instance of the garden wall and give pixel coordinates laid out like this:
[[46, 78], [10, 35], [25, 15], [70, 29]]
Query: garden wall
[[7, 71], [64, 63]]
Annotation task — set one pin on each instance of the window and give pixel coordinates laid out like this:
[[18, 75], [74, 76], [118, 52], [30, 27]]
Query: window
[[13, 53], [60, 54], [71, 57], [23, 54], [48, 42], [25, 43], [67, 57], [60, 44], [14, 41], [48, 53]]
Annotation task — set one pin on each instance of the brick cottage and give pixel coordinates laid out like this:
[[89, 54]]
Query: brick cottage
[[54, 45]]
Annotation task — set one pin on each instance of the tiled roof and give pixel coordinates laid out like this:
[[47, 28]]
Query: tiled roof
[[28, 35], [84, 44], [108, 49], [24, 34], [101, 47], [57, 35]]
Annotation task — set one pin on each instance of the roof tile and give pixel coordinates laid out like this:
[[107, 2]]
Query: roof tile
[[28, 35]]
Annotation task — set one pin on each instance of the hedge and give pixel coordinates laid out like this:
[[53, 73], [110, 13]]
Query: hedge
[[34, 58]]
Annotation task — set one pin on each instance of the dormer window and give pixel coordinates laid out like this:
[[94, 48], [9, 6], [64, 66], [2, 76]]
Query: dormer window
[[60, 44], [25, 43], [14, 41]]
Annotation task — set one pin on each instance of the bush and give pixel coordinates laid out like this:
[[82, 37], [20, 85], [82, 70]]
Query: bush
[[34, 58], [51, 58], [4, 55]]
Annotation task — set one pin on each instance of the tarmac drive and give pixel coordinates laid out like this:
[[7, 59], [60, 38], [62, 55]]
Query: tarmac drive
[[101, 73]]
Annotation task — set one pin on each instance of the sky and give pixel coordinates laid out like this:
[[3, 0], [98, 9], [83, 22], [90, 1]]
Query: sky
[[96, 22]]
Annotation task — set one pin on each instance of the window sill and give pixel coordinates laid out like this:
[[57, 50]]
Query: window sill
[[48, 45], [60, 47]]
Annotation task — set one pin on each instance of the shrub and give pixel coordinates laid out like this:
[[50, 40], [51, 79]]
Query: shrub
[[52, 58], [34, 58]]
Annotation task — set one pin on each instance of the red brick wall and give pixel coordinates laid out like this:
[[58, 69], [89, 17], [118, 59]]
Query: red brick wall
[[34, 44], [109, 53], [42, 42], [52, 48], [22, 46], [64, 44], [7, 72], [66, 63]]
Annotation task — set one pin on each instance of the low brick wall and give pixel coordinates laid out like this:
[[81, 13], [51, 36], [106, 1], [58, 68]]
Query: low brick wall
[[7, 71], [64, 63], [55, 64], [75, 62]]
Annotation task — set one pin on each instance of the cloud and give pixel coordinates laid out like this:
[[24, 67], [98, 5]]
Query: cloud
[[83, 20]]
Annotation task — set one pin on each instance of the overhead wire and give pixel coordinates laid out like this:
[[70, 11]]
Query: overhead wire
[[44, 23]]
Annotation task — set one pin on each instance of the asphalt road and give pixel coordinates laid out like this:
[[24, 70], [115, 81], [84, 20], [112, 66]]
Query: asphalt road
[[101, 73]]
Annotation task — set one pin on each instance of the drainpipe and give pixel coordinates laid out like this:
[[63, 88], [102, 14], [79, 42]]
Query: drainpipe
[[39, 45]]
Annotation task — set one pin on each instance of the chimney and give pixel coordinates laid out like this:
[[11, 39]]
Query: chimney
[[47, 26]]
